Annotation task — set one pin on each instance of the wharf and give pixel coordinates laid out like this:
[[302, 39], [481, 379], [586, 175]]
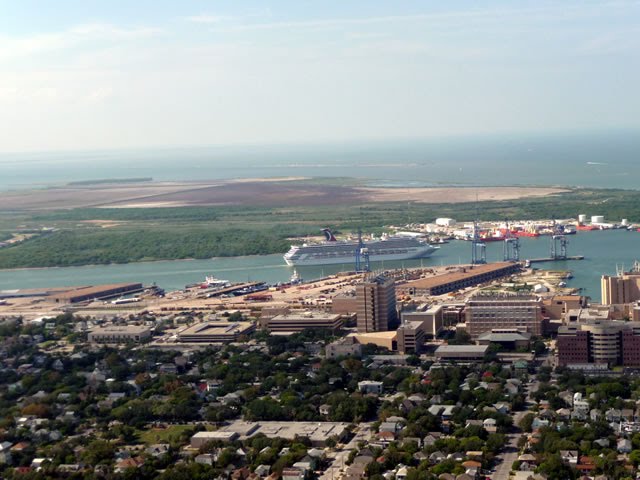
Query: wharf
[[232, 289], [551, 259]]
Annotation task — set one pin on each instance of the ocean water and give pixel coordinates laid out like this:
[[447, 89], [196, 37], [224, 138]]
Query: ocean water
[[603, 251], [591, 159]]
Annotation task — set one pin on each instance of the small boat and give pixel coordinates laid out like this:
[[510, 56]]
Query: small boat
[[295, 278], [212, 282]]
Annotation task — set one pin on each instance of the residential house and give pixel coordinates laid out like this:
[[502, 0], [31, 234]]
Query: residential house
[[292, 474], [569, 457], [205, 459], [624, 446], [437, 457], [5, 453]]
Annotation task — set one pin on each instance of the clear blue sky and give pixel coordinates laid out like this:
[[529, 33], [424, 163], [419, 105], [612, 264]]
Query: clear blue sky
[[135, 73]]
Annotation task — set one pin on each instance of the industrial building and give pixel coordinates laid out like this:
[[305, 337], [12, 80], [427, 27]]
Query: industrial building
[[317, 432], [485, 312], [605, 343], [622, 288], [98, 292], [375, 304], [461, 353], [119, 334], [450, 282], [299, 321], [215, 332]]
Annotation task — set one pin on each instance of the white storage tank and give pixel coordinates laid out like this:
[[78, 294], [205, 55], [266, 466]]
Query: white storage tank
[[624, 222], [582, 218], [597, 219], [445, 222]]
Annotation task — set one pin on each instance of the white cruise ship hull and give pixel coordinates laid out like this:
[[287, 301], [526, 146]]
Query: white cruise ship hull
[[304, 259]]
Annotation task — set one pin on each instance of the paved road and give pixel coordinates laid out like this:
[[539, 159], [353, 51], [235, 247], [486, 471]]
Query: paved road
[[511, 450], [509, 456], [335, 469], [363, 433]]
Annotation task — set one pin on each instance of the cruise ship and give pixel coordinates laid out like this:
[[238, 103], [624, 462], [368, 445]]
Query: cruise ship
[[333, 251]]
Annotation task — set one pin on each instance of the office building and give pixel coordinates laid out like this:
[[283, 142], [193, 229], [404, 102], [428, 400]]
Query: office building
[[622, 288], [485, 312], [606, 343], [215, 332], [299, 321], [432, 319], [376, 304], [119, 334], [556, 307]]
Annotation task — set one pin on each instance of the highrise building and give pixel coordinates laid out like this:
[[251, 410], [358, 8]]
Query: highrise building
[[486, 312], [623, 288], [376, 304]]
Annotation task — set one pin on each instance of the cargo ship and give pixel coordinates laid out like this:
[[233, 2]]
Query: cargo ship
[[332, 251]]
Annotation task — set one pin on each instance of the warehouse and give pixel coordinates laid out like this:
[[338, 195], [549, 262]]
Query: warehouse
[[450, 282], [299, 321], [97, 292]]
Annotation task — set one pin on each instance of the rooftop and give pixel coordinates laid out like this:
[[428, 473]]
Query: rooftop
[[480, 349], [132, 329], [505, 336], [467, 272], [217, 328], [97, 290], [315, 431]]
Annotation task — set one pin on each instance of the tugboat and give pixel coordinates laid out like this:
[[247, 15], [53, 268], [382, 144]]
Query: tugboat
[[295, 278]]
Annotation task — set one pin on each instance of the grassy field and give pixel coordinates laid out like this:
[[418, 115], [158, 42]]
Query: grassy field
[[170, 434], [117, 235]]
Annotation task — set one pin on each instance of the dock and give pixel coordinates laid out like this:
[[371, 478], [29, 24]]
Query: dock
[[551, 259]]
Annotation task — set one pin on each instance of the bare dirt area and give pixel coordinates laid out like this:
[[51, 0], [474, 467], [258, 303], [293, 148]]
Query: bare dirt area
[[456, 194], [268, 192], [86, 196]]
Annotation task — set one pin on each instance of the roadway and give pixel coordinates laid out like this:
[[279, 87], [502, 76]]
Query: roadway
[[511, 451], [334, 471]]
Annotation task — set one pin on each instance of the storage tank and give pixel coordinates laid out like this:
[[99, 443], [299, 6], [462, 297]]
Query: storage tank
[[624, 222], [582, 218], [445, 222], [597, 219]]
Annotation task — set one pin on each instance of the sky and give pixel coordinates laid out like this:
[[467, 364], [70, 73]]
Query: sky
[[88, 74]]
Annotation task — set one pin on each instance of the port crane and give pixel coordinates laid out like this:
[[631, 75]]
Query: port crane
[[559, 242], [511, 246], [363, 265], [478, 247]]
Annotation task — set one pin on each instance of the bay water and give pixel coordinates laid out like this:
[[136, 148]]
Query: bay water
[[603, 250]]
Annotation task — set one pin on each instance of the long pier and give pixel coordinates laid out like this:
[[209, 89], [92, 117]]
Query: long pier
[[551, 259]]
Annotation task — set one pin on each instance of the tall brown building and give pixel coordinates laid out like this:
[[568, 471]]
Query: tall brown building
[[621, 289], [486, 312], [376, 304]]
